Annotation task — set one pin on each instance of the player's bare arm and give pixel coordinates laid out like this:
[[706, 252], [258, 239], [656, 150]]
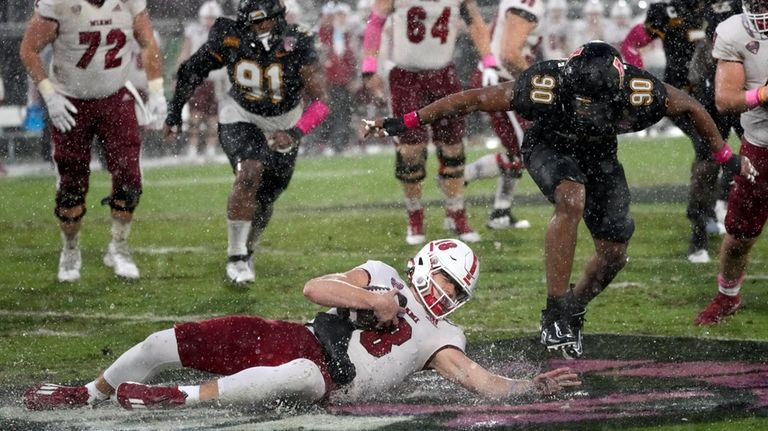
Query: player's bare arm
[[730, 80], [456, 366], [516, 32], [478, 30], [315, 90], [680, 103], [347, 290], [496, 98], [40, 32], [142, 31]]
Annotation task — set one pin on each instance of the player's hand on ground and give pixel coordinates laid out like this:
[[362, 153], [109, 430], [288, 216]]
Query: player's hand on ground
[[387, 308], [554, 381], [747, 169], [60, 109]]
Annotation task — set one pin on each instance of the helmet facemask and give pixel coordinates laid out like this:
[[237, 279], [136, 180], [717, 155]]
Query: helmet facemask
[[252, 12], [756, 17], [456, 262]]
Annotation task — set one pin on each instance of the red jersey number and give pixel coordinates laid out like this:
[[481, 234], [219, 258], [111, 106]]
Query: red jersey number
[[417, 29], [115, 37], [379, 344]]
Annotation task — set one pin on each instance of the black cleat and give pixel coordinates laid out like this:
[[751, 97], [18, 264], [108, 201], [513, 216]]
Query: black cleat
[[556, 332], [577, 322]]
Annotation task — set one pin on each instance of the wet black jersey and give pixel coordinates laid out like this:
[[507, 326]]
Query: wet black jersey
[[540, 98], [679, 33], [264, 82]]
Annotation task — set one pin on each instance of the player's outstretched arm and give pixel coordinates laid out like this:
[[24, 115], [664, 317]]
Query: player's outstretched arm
[[680, 104], [489, 99], [730, 96], [456, 366]]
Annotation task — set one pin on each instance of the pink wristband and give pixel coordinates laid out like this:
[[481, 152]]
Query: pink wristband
[[752, 98], [312, 117], [490, 61], [723, 155], [369, 65], [412, 120]]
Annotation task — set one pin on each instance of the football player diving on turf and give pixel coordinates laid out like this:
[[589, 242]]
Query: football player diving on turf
[[578, 107], [334, 356], [272, 65]]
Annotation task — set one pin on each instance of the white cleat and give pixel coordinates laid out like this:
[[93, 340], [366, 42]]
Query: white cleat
[[699, 256], [118, 258], [414, 239], [239, 271], [468, 235], [70, 263]]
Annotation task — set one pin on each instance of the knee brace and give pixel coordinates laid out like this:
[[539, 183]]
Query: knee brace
[[68, 199], [411, 172], [451, 166], [126, 199]]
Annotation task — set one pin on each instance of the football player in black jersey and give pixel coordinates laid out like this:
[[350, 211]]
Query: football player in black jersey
[[578, 107], [680, 24], [272, 65]]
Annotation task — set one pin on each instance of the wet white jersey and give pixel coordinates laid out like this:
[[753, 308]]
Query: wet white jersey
[[530, 10], [92, 51], [385, 359], [424, 33], [734, 43]]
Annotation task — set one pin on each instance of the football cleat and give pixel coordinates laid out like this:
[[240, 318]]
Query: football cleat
[[699, 256], [456, 221], [135, 396], [577, 323], [49, 396], [503, 219], [239, 271], [70, 263], [556, 334], [415, 233], [118, 257], [721, 307]]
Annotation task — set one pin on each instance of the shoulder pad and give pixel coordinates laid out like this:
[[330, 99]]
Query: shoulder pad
[[225, 31]]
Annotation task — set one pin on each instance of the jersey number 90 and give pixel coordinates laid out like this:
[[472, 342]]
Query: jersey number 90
[[542, 89]]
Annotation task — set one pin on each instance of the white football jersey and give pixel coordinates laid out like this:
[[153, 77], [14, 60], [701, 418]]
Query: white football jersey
[[734, 43], [532, 45], [92, 51], [385, 359], [424, 33]]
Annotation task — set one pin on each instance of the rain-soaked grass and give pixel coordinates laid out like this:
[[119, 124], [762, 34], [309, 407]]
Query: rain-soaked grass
[[336, 213]]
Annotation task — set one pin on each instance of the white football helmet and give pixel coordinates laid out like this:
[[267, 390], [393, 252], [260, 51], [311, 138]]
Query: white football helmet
[[209, 9], [453, 259], [621, 9], [756, 17]]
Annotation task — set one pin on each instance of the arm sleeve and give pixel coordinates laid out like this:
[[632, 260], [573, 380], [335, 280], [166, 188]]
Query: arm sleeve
[[136, 6]]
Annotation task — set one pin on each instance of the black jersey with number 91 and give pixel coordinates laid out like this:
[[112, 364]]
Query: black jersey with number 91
[[266, 82], [540, 97]]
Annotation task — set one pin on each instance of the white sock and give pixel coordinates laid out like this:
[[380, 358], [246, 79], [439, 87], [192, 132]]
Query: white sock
[[455, 203], [729, 287], [193, 393], [70, 242], [237, 237], [505, 188], [120, 230], [413, 204], [94, 394]]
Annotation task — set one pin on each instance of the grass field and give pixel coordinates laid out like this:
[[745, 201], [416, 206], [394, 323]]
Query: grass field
[[336, 213]]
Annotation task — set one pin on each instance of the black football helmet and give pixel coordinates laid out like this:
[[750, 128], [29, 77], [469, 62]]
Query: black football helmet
[[689, 7], [593, 84], [756, 17], [253, 11]]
